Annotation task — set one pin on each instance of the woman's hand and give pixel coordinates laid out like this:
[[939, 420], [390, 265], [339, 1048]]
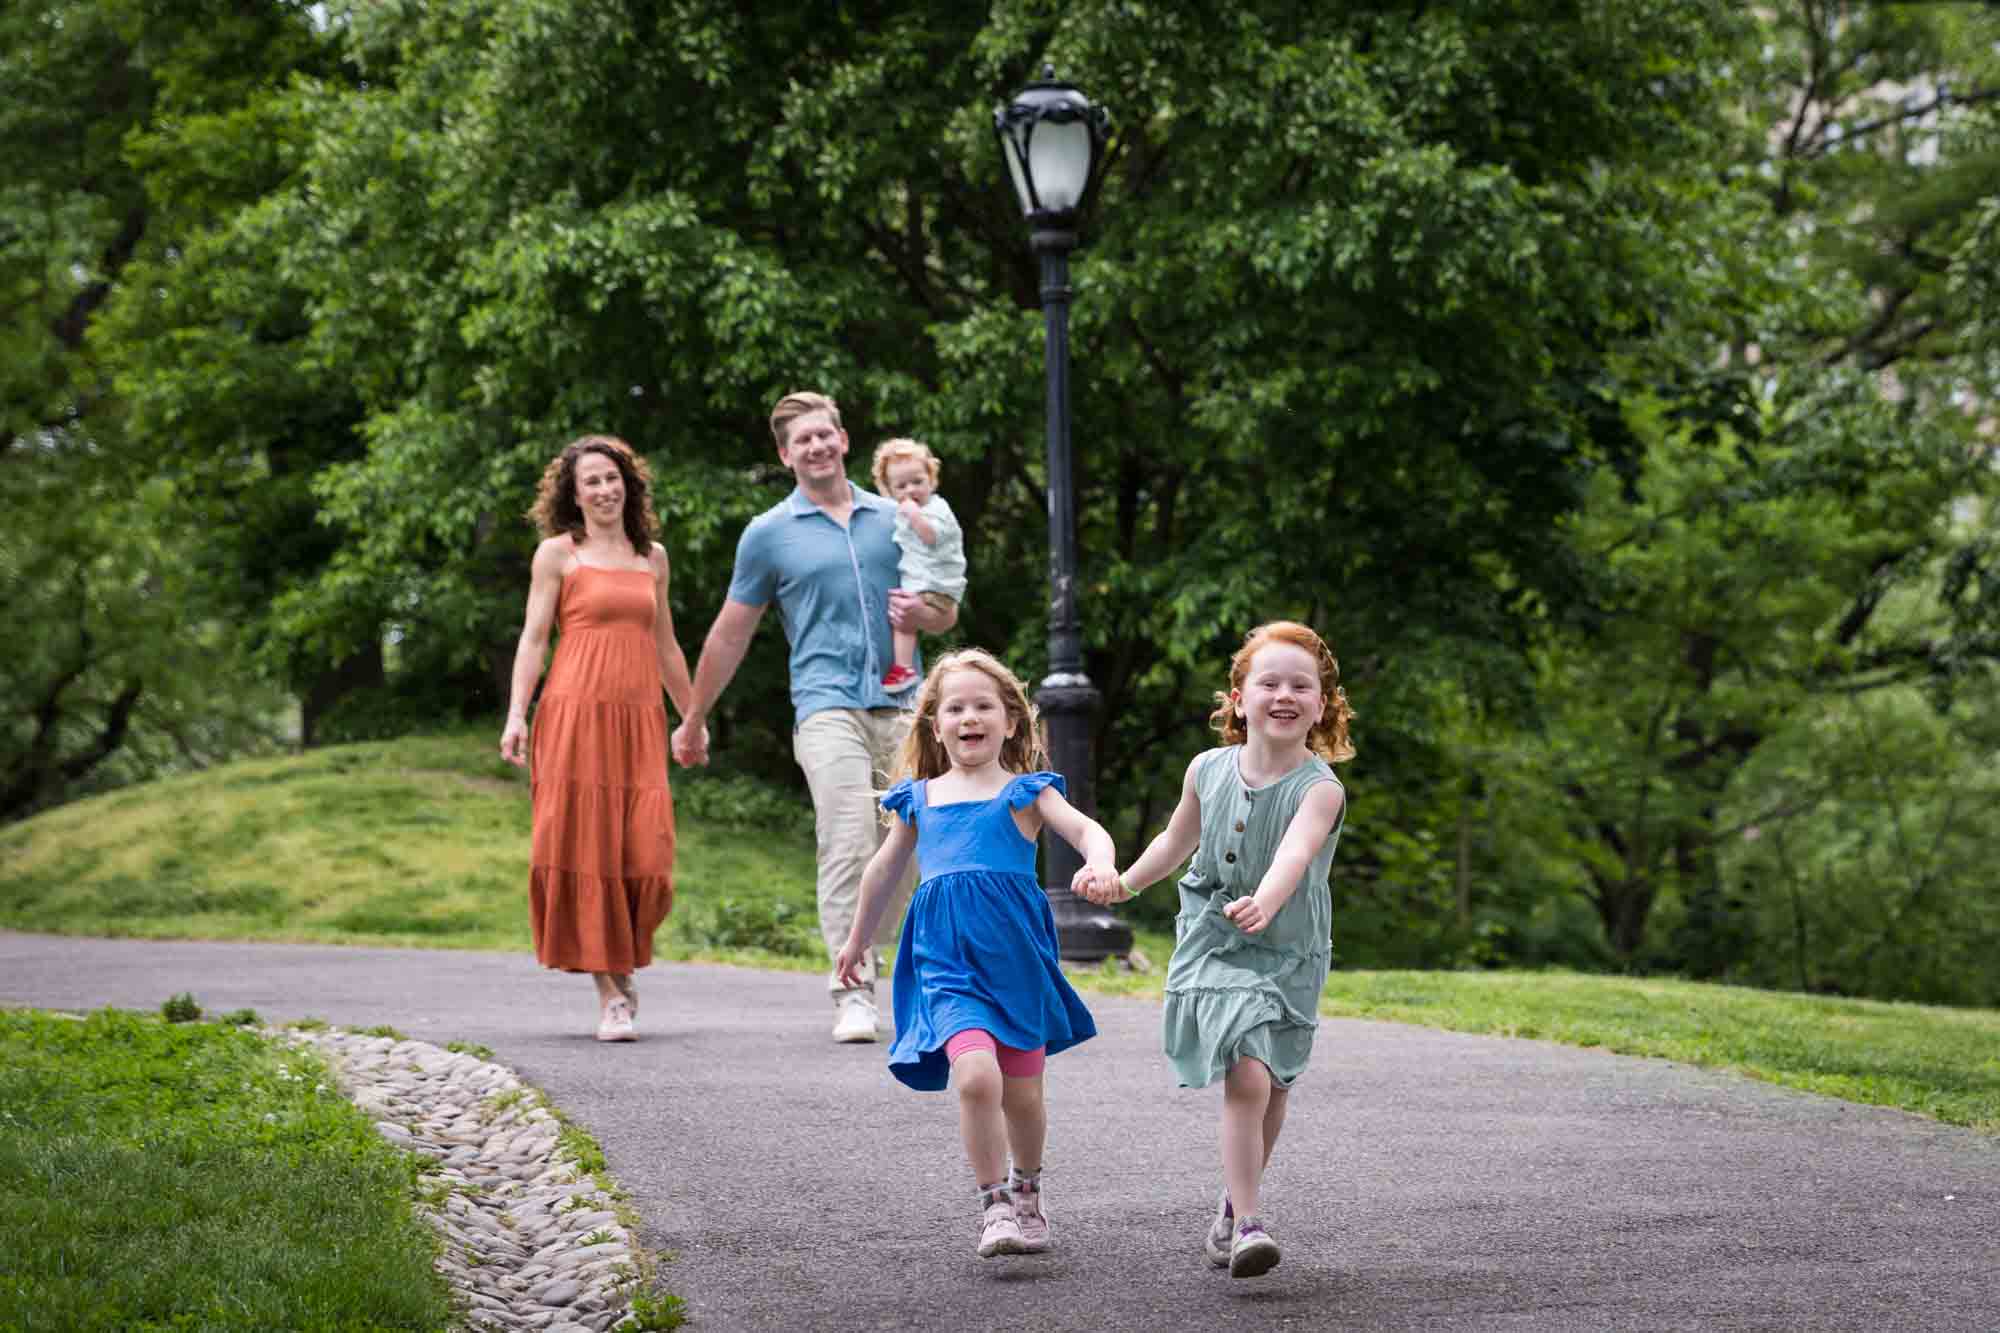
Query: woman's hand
[[690, 743], [514, 742]]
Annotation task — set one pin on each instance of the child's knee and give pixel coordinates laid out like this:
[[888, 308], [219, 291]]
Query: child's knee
[[975, 1065], [976, 1077]]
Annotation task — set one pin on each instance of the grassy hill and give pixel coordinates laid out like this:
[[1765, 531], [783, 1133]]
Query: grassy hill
[[419, 841], [423, 841]]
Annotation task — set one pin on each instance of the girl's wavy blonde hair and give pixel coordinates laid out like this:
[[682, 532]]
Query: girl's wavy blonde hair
[[1328, 739], [890, 452], [922, 754], [556, 511]]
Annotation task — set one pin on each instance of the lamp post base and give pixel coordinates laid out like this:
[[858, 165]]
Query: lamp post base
[[1085, 932]]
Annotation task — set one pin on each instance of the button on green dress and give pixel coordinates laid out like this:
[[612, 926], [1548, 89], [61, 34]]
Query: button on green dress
[[1232, 995]]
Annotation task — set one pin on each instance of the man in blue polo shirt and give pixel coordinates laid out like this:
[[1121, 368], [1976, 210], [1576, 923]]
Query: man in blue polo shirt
[[826, 554]]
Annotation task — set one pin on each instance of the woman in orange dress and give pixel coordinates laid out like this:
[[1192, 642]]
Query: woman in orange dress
[[601, 876]]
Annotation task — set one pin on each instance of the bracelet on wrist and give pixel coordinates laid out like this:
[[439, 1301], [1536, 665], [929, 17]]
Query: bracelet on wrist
[[1126, 886]]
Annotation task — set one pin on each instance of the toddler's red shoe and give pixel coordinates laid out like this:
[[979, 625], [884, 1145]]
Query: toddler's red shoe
[[899, 678]]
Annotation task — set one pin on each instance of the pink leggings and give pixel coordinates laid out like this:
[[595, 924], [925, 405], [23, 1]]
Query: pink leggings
[[1014, 1062]]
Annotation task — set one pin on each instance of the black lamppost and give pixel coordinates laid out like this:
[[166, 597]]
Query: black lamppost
[[1052, 139]]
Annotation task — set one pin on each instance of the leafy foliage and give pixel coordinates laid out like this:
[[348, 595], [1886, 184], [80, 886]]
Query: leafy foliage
[[1612, 388]]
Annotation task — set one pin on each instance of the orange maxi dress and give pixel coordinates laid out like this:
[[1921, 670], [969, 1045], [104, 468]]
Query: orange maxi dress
[[601, 877]]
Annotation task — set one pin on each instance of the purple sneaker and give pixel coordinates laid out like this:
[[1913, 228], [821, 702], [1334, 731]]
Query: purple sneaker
[[1254, 1253]]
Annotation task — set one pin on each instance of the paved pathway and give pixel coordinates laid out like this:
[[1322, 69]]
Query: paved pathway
[[1427, 1180]]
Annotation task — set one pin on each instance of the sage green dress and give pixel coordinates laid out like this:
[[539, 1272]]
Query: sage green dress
[[1232, 995]]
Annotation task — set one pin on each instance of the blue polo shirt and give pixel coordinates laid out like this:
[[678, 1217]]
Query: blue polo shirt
[[832, 587]]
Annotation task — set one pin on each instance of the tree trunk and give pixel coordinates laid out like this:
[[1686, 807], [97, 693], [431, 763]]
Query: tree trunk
[[1623, 906], [364, 670]]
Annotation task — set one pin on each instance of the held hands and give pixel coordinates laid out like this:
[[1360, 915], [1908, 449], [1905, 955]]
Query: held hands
[[690, 743], [1250, 914], [1098, 884], [514, 742]]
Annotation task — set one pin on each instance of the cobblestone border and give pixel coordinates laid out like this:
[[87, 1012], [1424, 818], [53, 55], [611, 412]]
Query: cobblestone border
[[530, 1239]]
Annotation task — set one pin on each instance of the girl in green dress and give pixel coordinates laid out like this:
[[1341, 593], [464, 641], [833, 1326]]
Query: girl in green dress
[[1261, 816]]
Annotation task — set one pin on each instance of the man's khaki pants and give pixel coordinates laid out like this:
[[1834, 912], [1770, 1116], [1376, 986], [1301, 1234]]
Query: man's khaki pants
[[846, 754]]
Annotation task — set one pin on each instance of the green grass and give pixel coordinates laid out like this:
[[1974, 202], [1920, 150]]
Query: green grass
[[423, 841], [1939, 1062], [158, 1175]]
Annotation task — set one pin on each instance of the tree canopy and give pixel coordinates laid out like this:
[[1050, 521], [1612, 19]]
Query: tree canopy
[[1610, 384]]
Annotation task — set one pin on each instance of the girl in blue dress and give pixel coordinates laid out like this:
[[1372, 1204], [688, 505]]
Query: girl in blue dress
[[980, 1001], [1261, 816]]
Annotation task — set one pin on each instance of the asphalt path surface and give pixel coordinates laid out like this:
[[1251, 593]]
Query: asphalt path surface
[[1425, 1180]]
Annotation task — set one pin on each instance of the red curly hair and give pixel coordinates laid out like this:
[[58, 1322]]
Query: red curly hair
[[1328, 739]]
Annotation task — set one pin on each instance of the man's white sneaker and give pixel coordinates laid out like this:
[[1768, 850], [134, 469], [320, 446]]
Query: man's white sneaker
[[854, 1018]]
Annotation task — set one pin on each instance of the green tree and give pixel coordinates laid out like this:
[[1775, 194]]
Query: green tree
[[1823, 528], [1878, 880], [121, 635], [1347, 334], [1736, 577]]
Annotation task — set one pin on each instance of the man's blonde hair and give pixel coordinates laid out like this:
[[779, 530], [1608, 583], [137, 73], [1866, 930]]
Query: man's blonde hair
[[795, 405], [890, 452]]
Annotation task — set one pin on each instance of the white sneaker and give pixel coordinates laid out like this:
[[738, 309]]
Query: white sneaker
[[1221, 1237], [617, 1022], [854, 1018]]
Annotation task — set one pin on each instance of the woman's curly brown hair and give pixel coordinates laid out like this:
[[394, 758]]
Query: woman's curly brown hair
[[1328, 739], [556, 511]]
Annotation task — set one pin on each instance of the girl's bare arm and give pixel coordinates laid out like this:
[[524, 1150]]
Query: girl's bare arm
[[1077, 829], [1171, 846], [1303, 838], [884, 869]]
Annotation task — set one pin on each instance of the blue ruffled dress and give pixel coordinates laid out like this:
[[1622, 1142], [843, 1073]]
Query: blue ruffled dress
[[979, 941]]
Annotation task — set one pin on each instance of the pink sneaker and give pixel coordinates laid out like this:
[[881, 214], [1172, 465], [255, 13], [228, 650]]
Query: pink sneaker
[[1001, 1231], [1034, 1223]]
